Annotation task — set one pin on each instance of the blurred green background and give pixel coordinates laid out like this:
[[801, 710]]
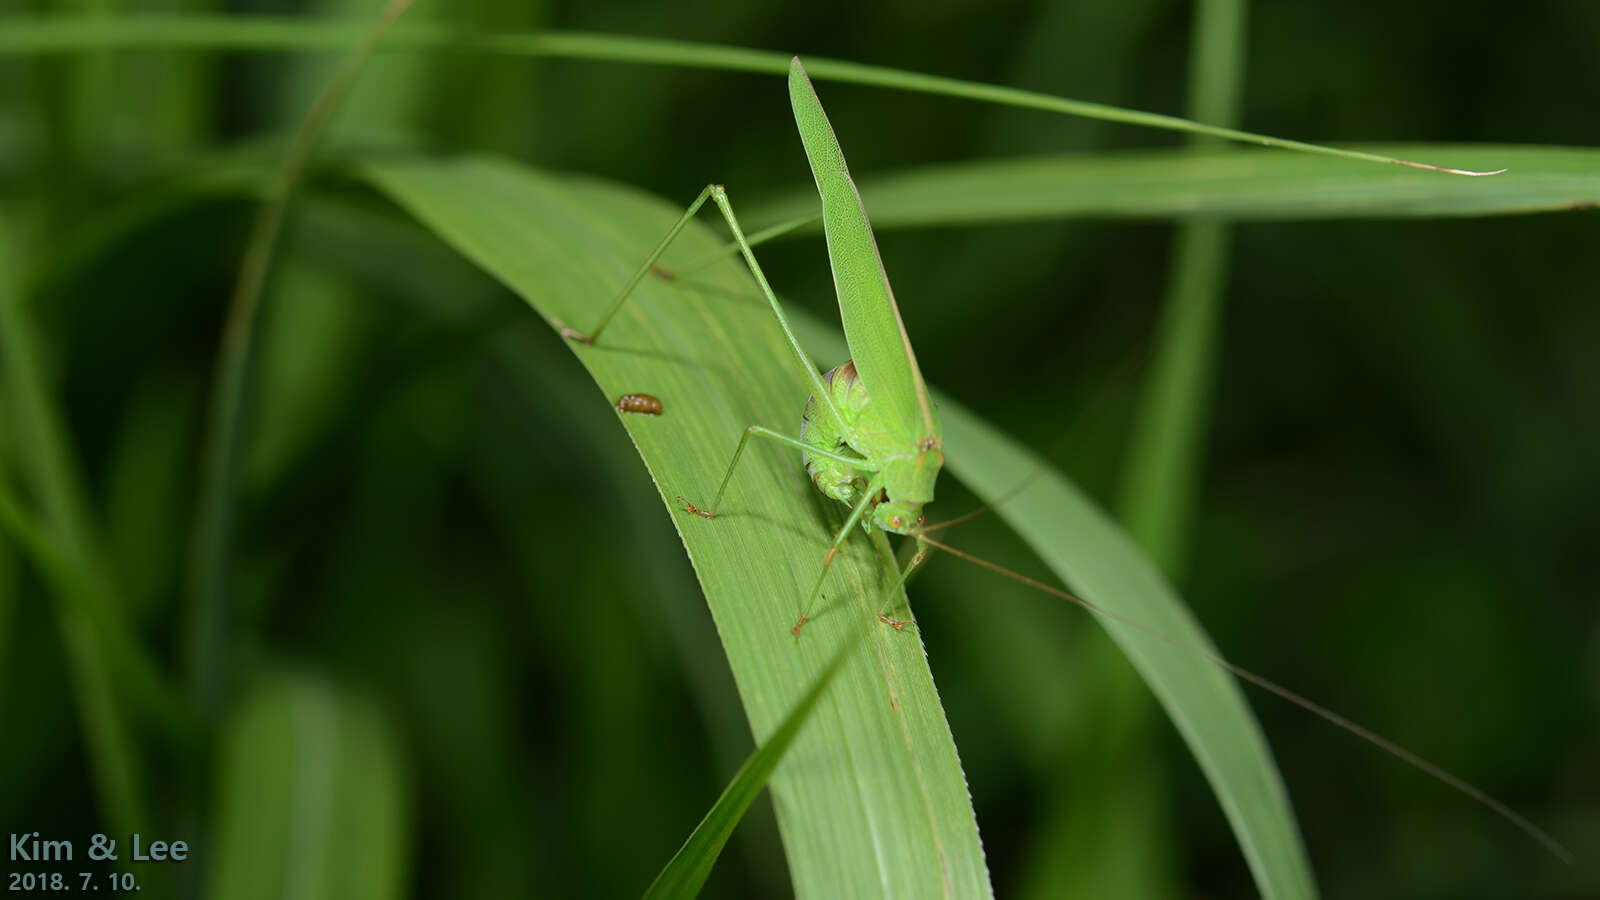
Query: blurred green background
[[461, 611]]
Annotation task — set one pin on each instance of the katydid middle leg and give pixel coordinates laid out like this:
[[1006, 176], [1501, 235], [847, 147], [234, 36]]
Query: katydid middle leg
[[862, 505], [905, 575]]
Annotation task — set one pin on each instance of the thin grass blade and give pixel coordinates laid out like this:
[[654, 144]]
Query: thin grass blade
[[688, 869], [27, 35], [1234, 184]]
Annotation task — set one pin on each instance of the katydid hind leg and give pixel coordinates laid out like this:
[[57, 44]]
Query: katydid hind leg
[[719, 195], [859, 510], [638, 275], [818, 389]]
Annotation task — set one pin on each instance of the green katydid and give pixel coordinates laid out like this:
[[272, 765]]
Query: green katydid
[[870, 435]]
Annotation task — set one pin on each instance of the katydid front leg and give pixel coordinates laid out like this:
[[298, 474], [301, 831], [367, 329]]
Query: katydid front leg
[[915, 563]]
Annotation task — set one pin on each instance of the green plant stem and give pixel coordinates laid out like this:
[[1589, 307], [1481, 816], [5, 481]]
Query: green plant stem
[[35, 35], [209, 616], [65, 544], [1166, 451]]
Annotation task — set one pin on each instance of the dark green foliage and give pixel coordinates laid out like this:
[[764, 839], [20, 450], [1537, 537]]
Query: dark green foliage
[[445, 537]]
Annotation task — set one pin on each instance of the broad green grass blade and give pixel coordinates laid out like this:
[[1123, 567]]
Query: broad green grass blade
[[312, 799], [708, 355], [1238, 184], [688, 869], [1096, 560], [1100, 563], [30, 35], [879, 345], [871, 797]]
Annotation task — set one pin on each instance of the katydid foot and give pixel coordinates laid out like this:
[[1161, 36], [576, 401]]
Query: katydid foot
[[690, 507], [896, 624], [570, 333]]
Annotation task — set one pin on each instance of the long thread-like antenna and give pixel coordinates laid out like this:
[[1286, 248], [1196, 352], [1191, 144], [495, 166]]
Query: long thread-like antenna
[[1272, 687], [986, 508]]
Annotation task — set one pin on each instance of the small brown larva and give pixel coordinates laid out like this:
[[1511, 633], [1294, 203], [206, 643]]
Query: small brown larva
[[639, 403]]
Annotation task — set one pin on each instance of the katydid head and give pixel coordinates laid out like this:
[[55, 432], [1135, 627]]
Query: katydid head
[[907, 486], [898, 516]]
